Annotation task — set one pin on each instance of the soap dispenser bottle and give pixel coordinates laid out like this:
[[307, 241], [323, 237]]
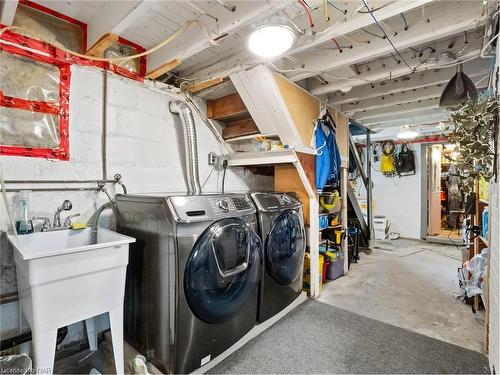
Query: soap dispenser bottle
[[24, 225]]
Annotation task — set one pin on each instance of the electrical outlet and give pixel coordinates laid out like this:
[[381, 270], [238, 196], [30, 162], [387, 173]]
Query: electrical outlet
[[212, 158]]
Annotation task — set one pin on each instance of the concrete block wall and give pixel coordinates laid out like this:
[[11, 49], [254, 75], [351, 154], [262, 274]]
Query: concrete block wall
[[399, 199], [144, 145]]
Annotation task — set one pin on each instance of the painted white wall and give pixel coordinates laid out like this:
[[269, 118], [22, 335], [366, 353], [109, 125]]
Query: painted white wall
[[144, 145], [399, 199], [494, 278], [494, 267]]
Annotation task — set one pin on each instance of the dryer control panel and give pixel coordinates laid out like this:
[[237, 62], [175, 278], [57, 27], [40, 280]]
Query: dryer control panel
[[275, 201], [189, 208]]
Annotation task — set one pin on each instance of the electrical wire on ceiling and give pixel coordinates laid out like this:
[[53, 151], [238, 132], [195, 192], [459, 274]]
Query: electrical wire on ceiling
[[207, 34], [305, 2], [295, 70], [404, 20], [374, 10], [395, 59], [338, 45], [197, 8], [227, 5], [94, 58], [424, 16], [308, 12], [373, 34], [325, 10], [388, 39], [343, 11], [422, 50], [387, 27], [294, 25], [356, 11], [352, 40]]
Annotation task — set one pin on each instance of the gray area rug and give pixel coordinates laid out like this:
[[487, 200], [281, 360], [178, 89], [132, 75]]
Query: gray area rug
[[320, 338]]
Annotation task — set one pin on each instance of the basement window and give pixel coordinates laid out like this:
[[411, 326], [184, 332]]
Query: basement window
[[34, 94]]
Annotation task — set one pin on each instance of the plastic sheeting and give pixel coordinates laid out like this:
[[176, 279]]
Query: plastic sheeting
[[476, 266], [23, 128], [118, 49], [49, 27], [28, 79]]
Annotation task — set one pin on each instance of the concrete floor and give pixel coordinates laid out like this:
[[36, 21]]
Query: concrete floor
[[410, 284]]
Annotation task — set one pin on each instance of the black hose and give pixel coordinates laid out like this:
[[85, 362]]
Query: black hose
[[224, 165], [26, 336]]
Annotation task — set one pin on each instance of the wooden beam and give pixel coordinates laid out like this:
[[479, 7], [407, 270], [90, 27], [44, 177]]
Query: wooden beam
[[102, 44], [205, 85], [240, 128], [227, 108], [167, 67]]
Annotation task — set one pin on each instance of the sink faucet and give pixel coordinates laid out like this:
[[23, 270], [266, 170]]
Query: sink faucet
[[46, 223], [65, 206]]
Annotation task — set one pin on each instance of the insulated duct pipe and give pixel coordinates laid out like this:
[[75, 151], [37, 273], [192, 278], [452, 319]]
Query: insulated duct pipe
[[190, 146]]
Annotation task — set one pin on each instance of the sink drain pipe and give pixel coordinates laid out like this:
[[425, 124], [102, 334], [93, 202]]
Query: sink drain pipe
[[190, 144]]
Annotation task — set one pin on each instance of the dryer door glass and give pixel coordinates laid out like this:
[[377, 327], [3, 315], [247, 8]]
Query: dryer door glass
[[285, 248], [223, 270]]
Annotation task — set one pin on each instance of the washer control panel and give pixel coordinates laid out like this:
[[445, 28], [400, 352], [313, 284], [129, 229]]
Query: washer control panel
[[222, 204], [205, 207], [241, 204]]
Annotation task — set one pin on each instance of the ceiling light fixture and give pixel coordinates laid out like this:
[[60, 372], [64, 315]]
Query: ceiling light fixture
[[458, 90], [271, 40], [408, 134]]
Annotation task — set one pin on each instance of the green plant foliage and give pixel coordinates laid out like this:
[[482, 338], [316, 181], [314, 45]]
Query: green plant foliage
[[474, 135]]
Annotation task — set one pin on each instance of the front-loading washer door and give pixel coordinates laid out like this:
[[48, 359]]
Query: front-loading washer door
[[223, 270], [285, 248]]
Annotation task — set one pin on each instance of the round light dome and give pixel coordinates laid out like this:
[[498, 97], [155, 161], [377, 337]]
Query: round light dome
[[271, 40]]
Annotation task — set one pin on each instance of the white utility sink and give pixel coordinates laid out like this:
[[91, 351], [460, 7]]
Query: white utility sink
[[67, 276]]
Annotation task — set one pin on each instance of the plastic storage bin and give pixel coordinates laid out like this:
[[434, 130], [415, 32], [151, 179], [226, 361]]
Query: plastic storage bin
[[335, 268]]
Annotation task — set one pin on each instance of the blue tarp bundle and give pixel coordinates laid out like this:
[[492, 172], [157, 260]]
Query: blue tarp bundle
[[327, 154]]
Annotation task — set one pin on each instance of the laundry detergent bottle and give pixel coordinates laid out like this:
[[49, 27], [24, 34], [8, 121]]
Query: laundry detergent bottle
[[24, 225]]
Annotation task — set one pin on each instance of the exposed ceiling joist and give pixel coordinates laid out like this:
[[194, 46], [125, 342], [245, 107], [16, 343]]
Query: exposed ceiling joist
[[361, 20], [7, 11], [111, 16], [385, 118], [340, 28], [474, 69], [465, 16], [417, 120], [401, 98], [389, 67], [399, 109], [193, 40]]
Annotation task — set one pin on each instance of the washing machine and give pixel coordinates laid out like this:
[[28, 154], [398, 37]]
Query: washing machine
[[281, 227], [193, 276]]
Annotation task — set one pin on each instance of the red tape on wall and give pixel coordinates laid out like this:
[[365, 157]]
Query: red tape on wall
[[21, 45]]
